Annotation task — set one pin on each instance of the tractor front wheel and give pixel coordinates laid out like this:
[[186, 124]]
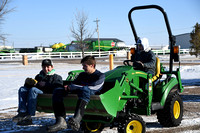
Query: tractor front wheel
[[132, 124], [91, 127], [172, 113]]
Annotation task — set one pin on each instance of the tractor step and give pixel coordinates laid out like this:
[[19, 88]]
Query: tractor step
[[156, 106]]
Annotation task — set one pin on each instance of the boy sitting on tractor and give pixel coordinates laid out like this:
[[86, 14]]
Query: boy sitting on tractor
[[87, 83], [144, 58], [45, 82]]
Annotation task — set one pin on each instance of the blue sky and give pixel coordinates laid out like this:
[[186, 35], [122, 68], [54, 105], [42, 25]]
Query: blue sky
[[45, 22]]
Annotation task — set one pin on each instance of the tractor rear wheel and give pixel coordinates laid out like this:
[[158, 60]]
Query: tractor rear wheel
[[172, 113], [132, 124]]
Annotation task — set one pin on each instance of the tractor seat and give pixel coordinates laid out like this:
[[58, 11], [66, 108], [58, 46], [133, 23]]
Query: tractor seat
[[157, 75]]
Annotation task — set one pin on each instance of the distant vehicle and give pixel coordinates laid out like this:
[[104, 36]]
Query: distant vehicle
[[91, 44], [59, 47], [38, 49], [106, 44], [7, 49], [4, 50]]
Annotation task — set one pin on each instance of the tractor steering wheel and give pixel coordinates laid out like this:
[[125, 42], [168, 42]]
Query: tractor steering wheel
[[126, 62]]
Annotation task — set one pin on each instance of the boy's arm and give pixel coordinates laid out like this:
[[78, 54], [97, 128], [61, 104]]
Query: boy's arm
[[152, 61], [57, 82]]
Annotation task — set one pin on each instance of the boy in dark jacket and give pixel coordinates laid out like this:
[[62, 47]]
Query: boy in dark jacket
[[86, 84], [145, 59], [45, 82]]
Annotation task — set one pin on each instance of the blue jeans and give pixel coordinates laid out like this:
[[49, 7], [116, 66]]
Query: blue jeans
[[83, 92], [28, 99]]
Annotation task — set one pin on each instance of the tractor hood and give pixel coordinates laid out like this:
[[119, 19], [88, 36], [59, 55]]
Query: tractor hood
[[116, 74]]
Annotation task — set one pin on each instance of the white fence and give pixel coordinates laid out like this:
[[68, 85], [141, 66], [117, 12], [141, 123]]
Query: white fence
[[59, 55]]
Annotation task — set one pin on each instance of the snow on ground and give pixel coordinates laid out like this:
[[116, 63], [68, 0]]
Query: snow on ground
[[12, 76]]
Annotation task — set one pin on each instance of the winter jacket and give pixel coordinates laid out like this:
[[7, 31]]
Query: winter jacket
[[148, 59], [47, 83], [94, 81]]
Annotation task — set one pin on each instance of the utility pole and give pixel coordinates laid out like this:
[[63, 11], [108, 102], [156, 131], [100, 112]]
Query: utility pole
[[98, 33], [4, 42]]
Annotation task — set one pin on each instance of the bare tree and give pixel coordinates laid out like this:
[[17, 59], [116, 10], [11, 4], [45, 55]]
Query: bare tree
[[80, 31], [3, 11]]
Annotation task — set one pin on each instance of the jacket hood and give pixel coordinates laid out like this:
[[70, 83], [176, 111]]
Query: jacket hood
[[145, 44]]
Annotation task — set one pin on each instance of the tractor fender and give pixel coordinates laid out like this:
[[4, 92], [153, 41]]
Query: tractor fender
[[169, 86]]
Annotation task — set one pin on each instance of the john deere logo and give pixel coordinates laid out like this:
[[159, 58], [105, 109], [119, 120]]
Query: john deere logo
[[113, 44]]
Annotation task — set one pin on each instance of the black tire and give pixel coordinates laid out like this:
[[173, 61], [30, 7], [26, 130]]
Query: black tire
[[132, 124], [92, 127], [172, 113]]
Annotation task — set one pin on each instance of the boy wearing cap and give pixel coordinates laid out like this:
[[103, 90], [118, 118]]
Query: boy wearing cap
[[145, 59], [45, 82]]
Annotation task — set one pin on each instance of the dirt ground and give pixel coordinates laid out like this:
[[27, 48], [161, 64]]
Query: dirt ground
[[191, 104], [191, 110]]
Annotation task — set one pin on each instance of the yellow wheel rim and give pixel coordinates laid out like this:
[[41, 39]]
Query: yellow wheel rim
[[93, 130], [134, 127], [176, 110]]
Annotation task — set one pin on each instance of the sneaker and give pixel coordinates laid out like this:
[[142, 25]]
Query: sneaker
[[19, 117]]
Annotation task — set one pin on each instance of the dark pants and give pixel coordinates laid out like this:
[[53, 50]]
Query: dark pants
[[83, 93]]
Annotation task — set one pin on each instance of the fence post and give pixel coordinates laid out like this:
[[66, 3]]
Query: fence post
[[128, 55], [111, 61], [25, 59], [11, 56]]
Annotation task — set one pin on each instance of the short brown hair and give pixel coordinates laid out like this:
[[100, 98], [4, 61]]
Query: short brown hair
[[89, 60]]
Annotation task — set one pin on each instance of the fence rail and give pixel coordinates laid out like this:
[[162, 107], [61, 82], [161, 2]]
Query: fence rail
[[59, 55]]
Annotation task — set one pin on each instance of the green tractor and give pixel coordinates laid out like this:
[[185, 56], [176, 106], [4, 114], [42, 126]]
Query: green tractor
[[129, 93]]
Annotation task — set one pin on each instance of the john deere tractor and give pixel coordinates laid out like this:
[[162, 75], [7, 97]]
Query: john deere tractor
[[128, 93]]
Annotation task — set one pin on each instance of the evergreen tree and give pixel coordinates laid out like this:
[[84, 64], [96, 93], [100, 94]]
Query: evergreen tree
[[195, 41]]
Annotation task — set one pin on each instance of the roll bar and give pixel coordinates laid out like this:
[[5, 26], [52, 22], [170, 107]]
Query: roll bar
[[171, 37]]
